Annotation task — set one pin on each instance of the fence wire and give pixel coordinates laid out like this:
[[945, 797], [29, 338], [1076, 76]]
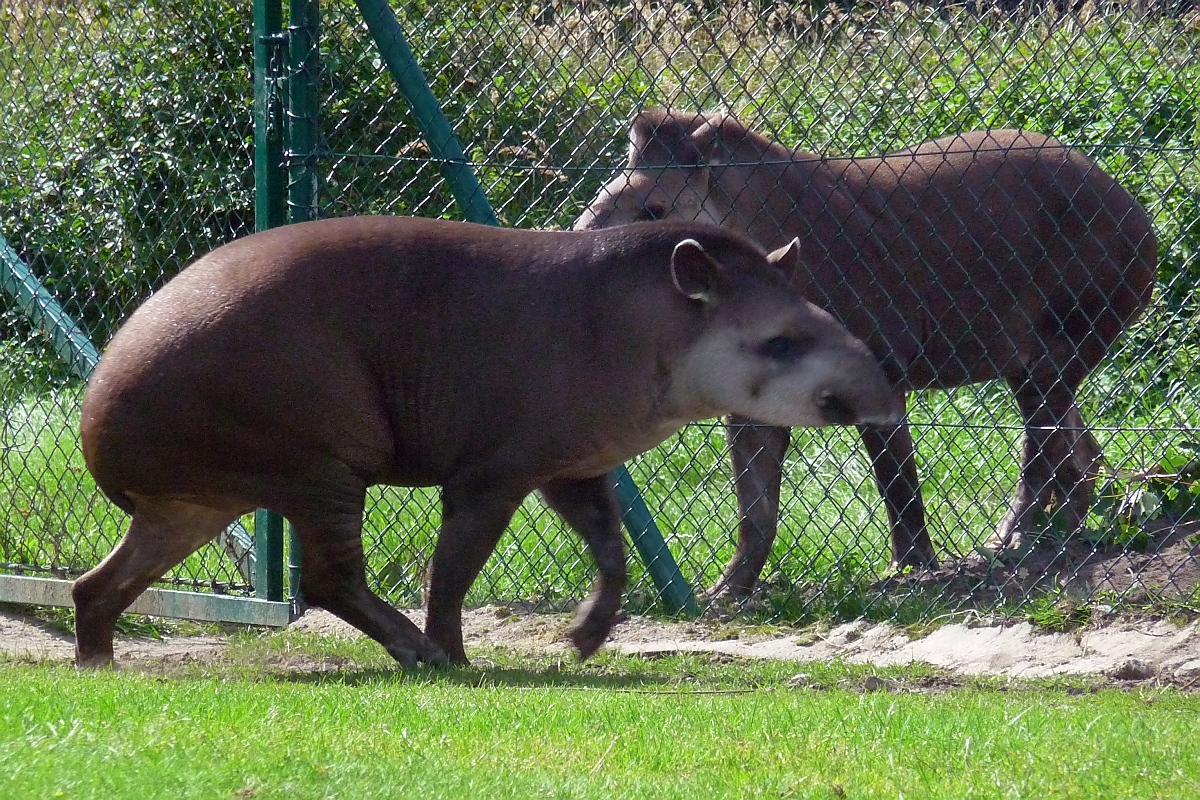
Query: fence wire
[[126, 149]]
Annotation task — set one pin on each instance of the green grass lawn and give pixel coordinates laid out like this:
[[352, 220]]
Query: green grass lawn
[[616, 727]]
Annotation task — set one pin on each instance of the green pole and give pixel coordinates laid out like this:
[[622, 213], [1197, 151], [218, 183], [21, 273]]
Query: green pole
[[268, 213], [674, 590], [303, 66], [70, 342], [381, 21], [304, 20], [393, 46]]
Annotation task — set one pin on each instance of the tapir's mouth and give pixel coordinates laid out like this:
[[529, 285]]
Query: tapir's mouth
[[836, 410]]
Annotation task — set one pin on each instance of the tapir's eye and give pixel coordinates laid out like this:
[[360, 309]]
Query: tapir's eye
[[784, 348], [651, 212]]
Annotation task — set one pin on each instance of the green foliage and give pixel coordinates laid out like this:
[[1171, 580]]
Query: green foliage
[[1127, 503], [28, 366], [124, 147], [1052, 614]]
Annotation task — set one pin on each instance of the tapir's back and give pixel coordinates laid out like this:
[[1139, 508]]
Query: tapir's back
[[396, 347], [282, 347]]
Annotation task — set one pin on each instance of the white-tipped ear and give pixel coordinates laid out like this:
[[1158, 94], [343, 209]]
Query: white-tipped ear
[[694, 272], [787, 258]]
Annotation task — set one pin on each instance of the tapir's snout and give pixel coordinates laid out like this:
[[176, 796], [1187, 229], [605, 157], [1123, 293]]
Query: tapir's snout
[[853, 388], [843, 409]]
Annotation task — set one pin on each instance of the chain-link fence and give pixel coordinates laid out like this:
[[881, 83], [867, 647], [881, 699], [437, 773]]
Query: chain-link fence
[[126, 148]]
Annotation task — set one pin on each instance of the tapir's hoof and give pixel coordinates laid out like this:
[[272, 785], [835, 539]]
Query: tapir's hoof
[[738, 583], [404, 657], [725, 592], [1006, 537], [589, 632], [594, 620], [408, 657], [587, 638], [918, 563], [414, 648], [94, 662], [438, 658]]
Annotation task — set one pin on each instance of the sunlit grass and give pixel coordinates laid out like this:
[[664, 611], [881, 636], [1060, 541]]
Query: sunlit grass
[[679, 727]]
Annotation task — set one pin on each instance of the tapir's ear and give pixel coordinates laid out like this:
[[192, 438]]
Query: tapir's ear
[[707, 142], [722, 139], [661, 136], [696, 274], [787, 258]]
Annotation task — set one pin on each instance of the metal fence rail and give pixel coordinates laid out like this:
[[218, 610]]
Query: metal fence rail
[[126, 149]]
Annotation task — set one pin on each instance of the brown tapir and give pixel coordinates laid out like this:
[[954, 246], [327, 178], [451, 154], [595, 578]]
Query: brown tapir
[[292, 369], [993, 254]]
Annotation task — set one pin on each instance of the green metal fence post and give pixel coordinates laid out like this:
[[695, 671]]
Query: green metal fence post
[[393, 46], [269, 210], [303, 66], [70, 342], [674, 590], [381, 21], [304, 20]]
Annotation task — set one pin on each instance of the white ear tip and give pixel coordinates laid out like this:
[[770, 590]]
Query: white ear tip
[[688, 243]]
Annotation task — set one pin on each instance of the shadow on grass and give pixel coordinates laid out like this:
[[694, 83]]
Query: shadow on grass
[[480, 677]]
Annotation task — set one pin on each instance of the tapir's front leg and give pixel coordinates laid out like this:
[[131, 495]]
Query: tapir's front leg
[[757, 452], [472, 524], [590, 507], [895, 464]]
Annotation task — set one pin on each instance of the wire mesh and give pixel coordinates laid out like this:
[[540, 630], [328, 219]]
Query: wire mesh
[[125, 151]]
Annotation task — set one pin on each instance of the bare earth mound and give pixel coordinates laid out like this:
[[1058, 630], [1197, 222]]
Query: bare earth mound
[[1166, 567]]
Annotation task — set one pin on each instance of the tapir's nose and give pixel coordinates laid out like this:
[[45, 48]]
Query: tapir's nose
[[869, 403]]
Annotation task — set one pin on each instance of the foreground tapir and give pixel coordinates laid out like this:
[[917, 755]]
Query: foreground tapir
[[294, 368], [993, 254]]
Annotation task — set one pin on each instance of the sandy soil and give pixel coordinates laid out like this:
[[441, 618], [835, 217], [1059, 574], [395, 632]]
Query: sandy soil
[[1122, 650]]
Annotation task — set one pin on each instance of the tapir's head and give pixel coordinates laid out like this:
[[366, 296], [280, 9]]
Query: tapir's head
[[674, 170], [761, 351]]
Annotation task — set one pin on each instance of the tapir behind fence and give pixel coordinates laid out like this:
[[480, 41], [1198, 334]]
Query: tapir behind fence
[[292, 369], [993, 254]]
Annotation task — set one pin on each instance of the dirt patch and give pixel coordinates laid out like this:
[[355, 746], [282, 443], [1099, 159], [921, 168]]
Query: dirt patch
[[1122, 650], [25, 637], [1167, 567]]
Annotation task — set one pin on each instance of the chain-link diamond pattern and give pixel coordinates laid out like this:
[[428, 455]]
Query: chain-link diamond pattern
[[125, 150]]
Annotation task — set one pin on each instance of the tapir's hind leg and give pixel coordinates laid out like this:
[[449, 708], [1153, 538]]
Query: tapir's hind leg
[[334, 578], [1058, 458], [161, 534], [590, 507], [1086, 461]]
